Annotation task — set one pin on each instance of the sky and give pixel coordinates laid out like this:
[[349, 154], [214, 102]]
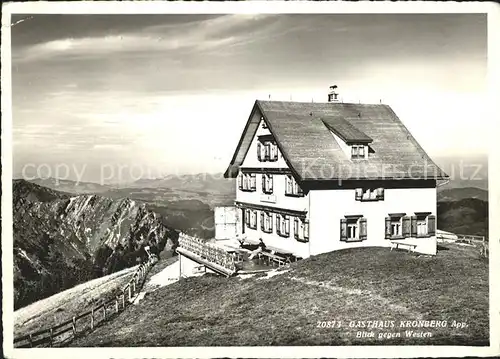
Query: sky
[[125, 96]]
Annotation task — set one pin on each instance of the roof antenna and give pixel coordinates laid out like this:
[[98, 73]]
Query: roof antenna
[[269, 96], [380, 100]]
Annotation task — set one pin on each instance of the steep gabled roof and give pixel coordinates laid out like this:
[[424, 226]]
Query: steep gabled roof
[[302, 132]]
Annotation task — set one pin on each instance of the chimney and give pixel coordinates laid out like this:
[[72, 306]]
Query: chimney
[[333, 96]]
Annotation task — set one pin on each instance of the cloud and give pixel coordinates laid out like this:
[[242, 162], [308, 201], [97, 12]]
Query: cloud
[[201, 36]]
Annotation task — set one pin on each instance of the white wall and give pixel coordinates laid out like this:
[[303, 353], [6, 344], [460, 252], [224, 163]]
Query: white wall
[[328, 207], [278, 199]]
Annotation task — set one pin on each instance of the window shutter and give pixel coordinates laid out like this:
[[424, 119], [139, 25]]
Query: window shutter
[[387, 227], [359, 194], [267, 149], [287, 226], [254, 219], [252, 181], [240, 181], [299, 190], [270, 223], [296, 227], [270, 183], [275, 146], [431, 225], [414, 226], [380, 193], [259, 151], [247, 217], [343, 229], [262, 220], [278, 227], [264, 182], [306, 230], [363, 231], [406, 226]]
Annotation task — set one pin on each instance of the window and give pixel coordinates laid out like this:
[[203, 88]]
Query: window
[[266, 222], [353, 229], [398, 226], [357, 151], [283, 225], [247, 182], [267, 183], [267, 151], [423, 224], [421, 227], [292, 188], [251, 218], [369, 194], [301, 229]]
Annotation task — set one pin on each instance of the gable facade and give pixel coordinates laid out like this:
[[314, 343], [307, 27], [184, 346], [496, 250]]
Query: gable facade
[[271, 205]]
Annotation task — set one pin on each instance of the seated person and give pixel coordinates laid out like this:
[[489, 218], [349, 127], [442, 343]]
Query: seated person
[[260, 248]]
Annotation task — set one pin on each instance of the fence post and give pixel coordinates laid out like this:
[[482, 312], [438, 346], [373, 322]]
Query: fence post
[[92, 319], [129, 292], [133, 283], [116, 304], [104, 308], [123, 299], [74, 325], [31, 341], [51, 338]]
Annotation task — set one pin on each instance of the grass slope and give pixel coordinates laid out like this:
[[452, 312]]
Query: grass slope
[[352, 285], [64, 305]]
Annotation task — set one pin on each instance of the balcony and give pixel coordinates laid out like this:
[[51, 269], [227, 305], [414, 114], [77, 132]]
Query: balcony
[[268, 198]]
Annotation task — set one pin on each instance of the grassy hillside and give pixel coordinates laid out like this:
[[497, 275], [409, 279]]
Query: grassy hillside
[[350, 286], [62, 306]]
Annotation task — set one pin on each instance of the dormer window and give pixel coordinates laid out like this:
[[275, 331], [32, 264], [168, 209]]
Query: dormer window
[[267, 150], [358, 151]]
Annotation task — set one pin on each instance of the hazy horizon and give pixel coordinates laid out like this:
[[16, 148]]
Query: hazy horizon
[[173, 92]]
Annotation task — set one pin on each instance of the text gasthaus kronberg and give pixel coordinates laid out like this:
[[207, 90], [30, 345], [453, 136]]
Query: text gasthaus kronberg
[[374, 324]]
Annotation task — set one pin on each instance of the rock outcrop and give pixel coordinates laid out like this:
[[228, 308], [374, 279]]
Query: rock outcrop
[[61, 240]]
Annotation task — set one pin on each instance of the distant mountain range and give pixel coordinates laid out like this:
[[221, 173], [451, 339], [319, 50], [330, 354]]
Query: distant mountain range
[[61, 239], [457, 194]]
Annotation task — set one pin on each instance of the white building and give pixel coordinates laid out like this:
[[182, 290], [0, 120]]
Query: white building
[[318, 177]]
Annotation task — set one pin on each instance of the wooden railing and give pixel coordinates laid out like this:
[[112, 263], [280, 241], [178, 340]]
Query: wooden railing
[[479, 242], [85, 322], [209, 252]]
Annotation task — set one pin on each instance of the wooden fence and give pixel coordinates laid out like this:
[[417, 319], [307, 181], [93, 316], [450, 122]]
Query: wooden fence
[[479, 242], [209, 252], [82, 323]]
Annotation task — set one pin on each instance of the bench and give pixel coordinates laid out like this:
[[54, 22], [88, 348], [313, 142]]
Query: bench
[[274, 258], [410, 246]]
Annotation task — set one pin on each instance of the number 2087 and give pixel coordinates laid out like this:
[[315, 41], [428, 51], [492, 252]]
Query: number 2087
[[328, 324]]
